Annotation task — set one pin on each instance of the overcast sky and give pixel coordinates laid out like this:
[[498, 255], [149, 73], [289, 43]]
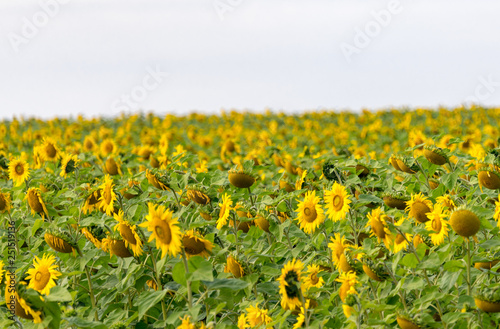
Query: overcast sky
[[60, 57]]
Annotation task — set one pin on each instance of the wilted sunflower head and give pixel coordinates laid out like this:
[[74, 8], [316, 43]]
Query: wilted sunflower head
[[436, 155], [35, 202], [112, 166], [196, 245], [22, 309], [5, 202], [129, 234], [489, 178], [241, 178], [155, 180], [395, 200], [406, 164], [116, 246], [197, 195], [94, 234], [234, 267], [59, 240]]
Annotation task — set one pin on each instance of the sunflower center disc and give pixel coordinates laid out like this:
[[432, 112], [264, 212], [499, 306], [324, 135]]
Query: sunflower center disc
[[436, 225], [314, 278], [41, 279], [163, 233], [310, 214], [19, 169], [108, 147], [51, 150], [127, 234], [400, 238], [337, 202]]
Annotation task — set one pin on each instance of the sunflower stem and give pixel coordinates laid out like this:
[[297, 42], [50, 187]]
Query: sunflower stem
[[468, 268], [188, 282], [91, 290], [303, 301], [250, 195], [328, 251], [158, 281]]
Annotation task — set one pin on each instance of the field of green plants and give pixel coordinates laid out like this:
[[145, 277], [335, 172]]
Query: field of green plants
[[320, 220]]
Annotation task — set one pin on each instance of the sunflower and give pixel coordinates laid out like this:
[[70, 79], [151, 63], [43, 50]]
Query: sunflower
[[89, 144], [18, 171], [5, 203], [348, 287], [225, 208], [37, 157], [310, 214], [198, 196], [377, 221], [108, 147], [154, 180], [129, 234], [437, 225], [49, 150], [115, 246], [337, 202], [186, 323], [43, 275], [108, 196], [301, 317], [242, 321], [290, 283], [400, 242], [68, 164], [496, 216], [94, 234], [418, 207], [241, 178], [233, 267], [489, 178], [446, 203], [2, 271], [112, 167], [196, 245], [311, 279], [22, 310], [300, 182], [91, 202], [464, 222], [35, 202], [59, 241], [257, 316], [165, 229], [337, 245]]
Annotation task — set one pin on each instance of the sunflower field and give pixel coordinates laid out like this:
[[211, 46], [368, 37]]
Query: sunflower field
[[320, 220]]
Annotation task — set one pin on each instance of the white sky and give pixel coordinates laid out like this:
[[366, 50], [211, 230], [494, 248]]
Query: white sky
[[283, 55]]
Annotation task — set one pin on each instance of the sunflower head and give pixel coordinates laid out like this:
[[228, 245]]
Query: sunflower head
[[112, 166], [197, 195], [59, 240], [435, 155], [396, 200], [376, 272], [234, 267], [407, 165], [69, 163], [225, 208], [487, 298], [5, 202], [108, 196], [157, 181], [241, 178], [196, 245], [464, 222], [310, 214], [337, 202], [290, 284], [92, 201], [489, 178], [23, 309], [42, 276], [262, 222], [418, 207], [94, 234], [128, 232], [164, 229], [49, 150], [18, 171], [115, 246], [35, 202]]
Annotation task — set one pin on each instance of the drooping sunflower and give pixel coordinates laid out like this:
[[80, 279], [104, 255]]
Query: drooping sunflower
[[311, 278], [59, 241], [349, 281], [94, 234], [233, 267], [241, 178], [115, 246], [194, 194], [35, 202], [108, 196], [165, 229], [112, 166], [68, 164], [154, 180], [92, 202], [337, 246], [43, 275], [5, 202], [418, 207], [290, 283], [22, 310], [446, 203], [437, 224], [310, 214], [18, 171], [49, 150], [377, 221], [225, 208], [257, 316], [196, 245], [129, 234], [337, 202], [89, 144]]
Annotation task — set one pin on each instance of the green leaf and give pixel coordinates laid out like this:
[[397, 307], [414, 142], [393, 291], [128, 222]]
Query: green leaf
[[200, 269], [148, 299], [231, 284], [431, 262], [82, 323], [179, 274], [453, 266], [409, 261], [36, 226], [59, 294], [449, 179]]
